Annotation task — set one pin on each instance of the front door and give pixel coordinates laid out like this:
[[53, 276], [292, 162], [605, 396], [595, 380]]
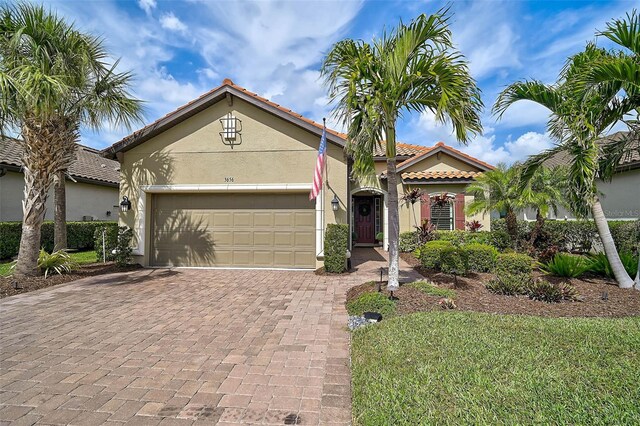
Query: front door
[[364, 220]]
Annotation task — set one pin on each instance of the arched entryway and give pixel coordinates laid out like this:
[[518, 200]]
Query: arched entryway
[[369, 218]]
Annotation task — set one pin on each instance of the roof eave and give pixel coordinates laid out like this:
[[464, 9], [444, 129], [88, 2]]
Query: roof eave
[[201, 104]]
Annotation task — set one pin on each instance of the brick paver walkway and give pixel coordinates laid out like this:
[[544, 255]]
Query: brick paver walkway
[[180, 347]]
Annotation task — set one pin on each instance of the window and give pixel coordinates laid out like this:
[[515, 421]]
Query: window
[[377, 215], [442, 216]]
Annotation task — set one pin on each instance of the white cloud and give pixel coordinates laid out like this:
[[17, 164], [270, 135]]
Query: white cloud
[[490, 43], [147, 5], [171, 22], [528, 144], [486, 149]]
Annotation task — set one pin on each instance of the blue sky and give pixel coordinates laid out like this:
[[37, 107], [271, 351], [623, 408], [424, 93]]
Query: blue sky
[[179, 50]]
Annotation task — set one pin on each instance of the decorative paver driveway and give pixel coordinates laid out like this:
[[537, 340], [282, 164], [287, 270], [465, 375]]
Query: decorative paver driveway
[[178, 347]]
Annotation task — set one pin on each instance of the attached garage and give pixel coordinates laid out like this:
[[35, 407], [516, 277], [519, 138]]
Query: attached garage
[[245, 230]]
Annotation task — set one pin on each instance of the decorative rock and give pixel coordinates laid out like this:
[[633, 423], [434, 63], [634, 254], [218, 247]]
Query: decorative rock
[[357, 322]]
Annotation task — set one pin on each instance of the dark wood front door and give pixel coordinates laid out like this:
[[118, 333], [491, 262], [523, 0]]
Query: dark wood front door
[[364, 218]]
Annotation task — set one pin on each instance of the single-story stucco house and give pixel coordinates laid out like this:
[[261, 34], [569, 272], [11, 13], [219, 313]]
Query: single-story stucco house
[[620, 197], [91, 185], [224, 181]]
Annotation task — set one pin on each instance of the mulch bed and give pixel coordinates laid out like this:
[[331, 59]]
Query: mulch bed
[[473, 296], [36, 283]]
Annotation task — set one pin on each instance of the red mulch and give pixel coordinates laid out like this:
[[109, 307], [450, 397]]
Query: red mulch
[[36, 283], [473, 296]]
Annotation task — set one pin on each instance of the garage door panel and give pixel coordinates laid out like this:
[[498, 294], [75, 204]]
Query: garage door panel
[[240, 230], [243, 238], [305, 219], [263, 238], [304, 239]]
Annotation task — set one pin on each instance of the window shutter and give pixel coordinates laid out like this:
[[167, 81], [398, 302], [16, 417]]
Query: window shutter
[[459, 211], [425, 208]]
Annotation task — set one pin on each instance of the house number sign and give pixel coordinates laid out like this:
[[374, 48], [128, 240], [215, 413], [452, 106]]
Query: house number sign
[[228, 179]]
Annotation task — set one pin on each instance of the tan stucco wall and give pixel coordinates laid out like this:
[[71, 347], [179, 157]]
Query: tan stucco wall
[[273, 151], [440, 162], [410, 214], [83, 199], [620, 199]]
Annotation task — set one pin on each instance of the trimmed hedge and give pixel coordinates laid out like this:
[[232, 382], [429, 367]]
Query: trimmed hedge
[[336, 240], [575, 235], [481, 257], [454, 260], [508, 264], [117, 241], [409, 241], [429, 253], [79, 236], [459, 237]]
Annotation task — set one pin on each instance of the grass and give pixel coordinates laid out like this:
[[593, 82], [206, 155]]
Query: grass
[[473, 368], [372, 302], [433, 290], [80, 257]]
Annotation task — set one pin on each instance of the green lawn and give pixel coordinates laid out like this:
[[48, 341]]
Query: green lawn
[[82, 257], [472, 368]]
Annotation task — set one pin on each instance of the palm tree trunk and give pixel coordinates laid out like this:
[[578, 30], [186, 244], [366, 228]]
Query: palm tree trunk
[[620, 274], [60, 213], [36, 186], [46, 149], [536, 229], [394, 219], [512, 226]]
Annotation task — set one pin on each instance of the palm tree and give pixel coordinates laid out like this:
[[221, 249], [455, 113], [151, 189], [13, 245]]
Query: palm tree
[[545, 192], [413, 68], [580, 115], [53, 79], [497, 190]]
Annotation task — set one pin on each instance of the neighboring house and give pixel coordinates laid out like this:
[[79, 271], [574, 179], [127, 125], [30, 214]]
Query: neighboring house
[[224, 181], [620, 197], [91, 186]]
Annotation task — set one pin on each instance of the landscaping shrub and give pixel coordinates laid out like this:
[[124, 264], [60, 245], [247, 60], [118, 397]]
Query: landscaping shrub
[[500, 239], [446, 303], [513, 264], [544, 291], [508, 284], [408, 241], [597, 263], [429, 253], [573, 235], [336, 240], [433, 290], [59, 262], [372, 302], [117, 244], [454, 260], [481, 257], [565, 265], [626, 235], [79, 236], [459, 237]]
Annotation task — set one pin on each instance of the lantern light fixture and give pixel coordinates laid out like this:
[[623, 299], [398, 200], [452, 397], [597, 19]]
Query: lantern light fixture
[[335, 203], [125, 204]]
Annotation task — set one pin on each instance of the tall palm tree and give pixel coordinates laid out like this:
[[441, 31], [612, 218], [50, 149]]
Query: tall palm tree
[[497, 190], [413, 68], [545, 192], [580, 115], [53, 80]]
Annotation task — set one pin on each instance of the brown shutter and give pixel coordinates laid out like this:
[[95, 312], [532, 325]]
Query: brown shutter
[[425, 208], [459, 211]]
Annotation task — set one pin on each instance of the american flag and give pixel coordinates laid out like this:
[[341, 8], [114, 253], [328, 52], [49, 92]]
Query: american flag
[[319, 171]]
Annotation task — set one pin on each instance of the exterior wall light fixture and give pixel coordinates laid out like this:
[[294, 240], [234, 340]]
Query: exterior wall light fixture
[[125, 204], [335, 203]]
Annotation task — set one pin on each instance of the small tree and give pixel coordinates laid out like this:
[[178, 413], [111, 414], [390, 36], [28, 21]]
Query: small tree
[[497, 190], [414, 68]]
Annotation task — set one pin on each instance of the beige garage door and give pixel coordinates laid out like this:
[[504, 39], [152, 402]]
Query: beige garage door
[[237, 230]]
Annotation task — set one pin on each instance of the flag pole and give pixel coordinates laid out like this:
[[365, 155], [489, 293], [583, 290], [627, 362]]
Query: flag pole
[[324, 187]]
